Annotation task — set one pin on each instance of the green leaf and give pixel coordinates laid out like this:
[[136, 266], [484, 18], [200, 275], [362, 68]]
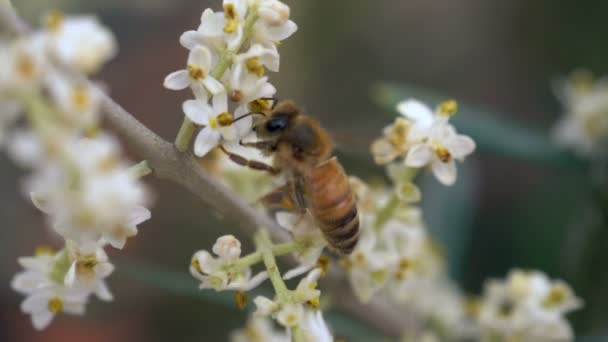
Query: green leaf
[[493, 132]]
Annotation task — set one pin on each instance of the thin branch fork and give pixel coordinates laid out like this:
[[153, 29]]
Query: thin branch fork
[[183, 169]]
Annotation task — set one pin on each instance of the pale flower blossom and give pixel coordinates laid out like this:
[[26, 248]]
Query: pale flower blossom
[[196, 75], [90, 266], [313, 327], [45, 304], [79, 102], [213, 273], [228, 248], [81, 42], [440, 150], [219, 124]]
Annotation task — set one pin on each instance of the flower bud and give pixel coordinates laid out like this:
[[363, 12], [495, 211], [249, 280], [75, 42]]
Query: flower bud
[[228, 248], [275, 13]]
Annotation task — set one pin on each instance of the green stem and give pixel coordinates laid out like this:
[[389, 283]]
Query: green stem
[[297, 334], [264, 245], [60, 267], [186, 131], [140, 169], [277, 250]]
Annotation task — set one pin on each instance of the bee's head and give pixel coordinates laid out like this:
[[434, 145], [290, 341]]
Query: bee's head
[[278, 121]]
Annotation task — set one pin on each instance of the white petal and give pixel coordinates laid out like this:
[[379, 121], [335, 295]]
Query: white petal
[[103, 292], [279, 33], [220, 103], [294, 272], [243, 126], [206, 140], [201, 57], [214, 86], [40, 201], [213, 25], [415, 111], [287, 220], [35, 303], [139, 215], [191, 39], [42, 319], [177, 80], [197, 111], [445, 172], [418, 156], [28, 282], [255, 281], [74, 308], [200, 92], [70, 276], [460, 146], [115, 240]]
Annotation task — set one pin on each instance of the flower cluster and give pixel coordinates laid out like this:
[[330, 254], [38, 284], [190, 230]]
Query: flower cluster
[[296, 310], [527, 306], [584, 126], [424, 138], [229, 54], [80, 179]]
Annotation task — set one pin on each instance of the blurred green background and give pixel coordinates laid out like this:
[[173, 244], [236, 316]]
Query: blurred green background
[[518, 203]]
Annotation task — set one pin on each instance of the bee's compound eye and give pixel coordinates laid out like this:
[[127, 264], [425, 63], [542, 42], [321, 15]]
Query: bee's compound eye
[[276, 124]]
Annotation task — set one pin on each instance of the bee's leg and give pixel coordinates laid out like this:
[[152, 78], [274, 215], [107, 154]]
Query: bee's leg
[[253, 164], [283, 198], [266, 145]]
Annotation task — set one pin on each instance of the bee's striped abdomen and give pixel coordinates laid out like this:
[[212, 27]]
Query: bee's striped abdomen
[[333, 205]]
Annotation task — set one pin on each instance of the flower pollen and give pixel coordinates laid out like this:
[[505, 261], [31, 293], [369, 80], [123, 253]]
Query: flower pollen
[[25, 66], [80, 98], [448, 107], [240, 298], [195, 72], [260, 105], [54, 20], [225, 119], [255, 67], [231, 19], [55, 305], [43, 250], [556, 296], [443, 154]]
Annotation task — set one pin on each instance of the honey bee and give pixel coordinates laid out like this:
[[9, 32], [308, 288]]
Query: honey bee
[[303, 151]]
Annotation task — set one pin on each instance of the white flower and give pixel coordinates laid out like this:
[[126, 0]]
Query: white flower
[[96, 197], [274, 25], [227, 25], [420, 116], [43, 305], [27, 62], [440, 150], [228, 248], [214, 274], [369, 267], [273, 12], [80, 103], [306, 292], [196, 75], [35, 275], [81, 42], [90, 266], [584, 125], [265, 306], [219, 123], [313, 327], [192, 39], [303, 228], [290, 315], [258, 329]]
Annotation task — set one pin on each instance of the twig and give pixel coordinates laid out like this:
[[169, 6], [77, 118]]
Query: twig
[[182, 168]]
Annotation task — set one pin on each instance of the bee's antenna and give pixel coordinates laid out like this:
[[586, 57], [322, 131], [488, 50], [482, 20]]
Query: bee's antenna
[[248, 114]]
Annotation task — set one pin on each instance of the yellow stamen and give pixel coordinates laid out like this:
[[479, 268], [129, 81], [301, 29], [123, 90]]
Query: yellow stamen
[[240, 298], [398, 132], [557, 295], [80, 98], [323, 264], [232, 22], [260, 105], [55, 305], [213, 123], [443, 154], [43, 250], [54, 20], [225, 119], [25, 66], [448, 107], [197, 266], [254, 66], [195, 72], [313, 303]]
